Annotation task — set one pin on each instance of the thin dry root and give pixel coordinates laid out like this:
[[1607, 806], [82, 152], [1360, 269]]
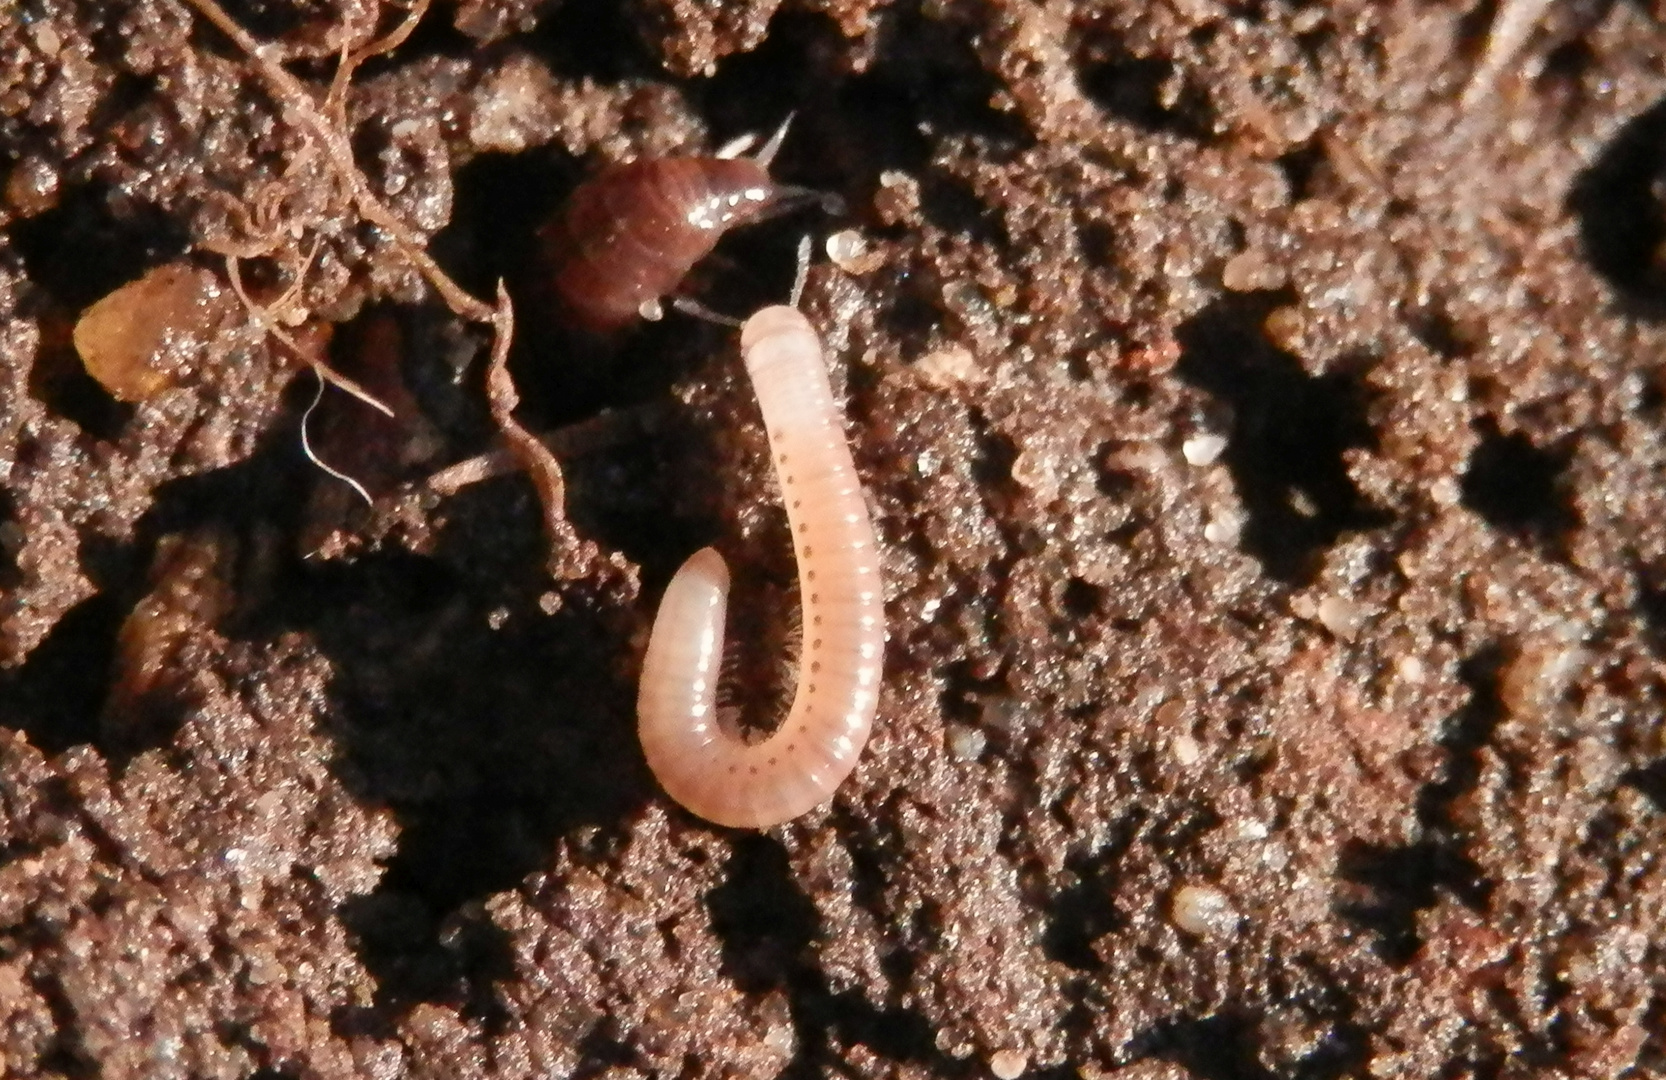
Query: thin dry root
[[335, 102], [294, 97], [1511, 27], [534, 456], [263, 318], [312, 455], [601, 432], [331, 135]]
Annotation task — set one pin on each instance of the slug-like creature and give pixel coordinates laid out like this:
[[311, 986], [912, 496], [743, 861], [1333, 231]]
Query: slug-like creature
[[708, 769], [629, 235]]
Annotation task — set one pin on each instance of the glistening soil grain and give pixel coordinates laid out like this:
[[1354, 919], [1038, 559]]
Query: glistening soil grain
[[1265, 425]]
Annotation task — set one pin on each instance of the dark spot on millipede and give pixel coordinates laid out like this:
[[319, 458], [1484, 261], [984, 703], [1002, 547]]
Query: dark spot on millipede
[[815, 665]]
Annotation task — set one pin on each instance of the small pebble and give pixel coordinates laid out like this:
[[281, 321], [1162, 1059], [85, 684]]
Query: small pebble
[[1223, 530], [948, 367], [1341, 617], [1038, 471], [1249, 271], [515, 107], [1187, 750], [1203, 449], [848, 250], [1008, 1064], [497, 618], [146, 336], [1283, 327], [1203, 910], [965, 743], [32, 187], [898, 199]]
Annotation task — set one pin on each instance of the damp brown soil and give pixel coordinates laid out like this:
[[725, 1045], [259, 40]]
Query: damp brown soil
[[1263, 410]]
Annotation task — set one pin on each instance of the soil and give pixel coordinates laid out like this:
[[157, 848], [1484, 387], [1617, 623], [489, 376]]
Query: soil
[[1263, 408]]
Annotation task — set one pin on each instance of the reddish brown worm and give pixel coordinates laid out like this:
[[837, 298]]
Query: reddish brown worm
[[712, 771], [629, 235]]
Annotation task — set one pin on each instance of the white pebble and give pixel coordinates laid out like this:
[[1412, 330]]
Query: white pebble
[[1187, 750], [848, 250], [948, 367], [1250, 271], [1038, 471], [965, 743], [1204, 911], [1203, 449], [1223, 530], [1008, 1064], [1341, 617]]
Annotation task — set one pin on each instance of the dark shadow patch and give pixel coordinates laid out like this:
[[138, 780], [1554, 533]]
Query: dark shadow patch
[[1516, 486], [500, 203], [1440, 332], [768, 927], [1401, 881], [1651, 781], [951, 205], [1651, 606], [488, 746], [12, 537], [1131, 88], [59, 381], [94, 241], [1303, 168], [1218, 1047], [1083, 912], [848, 129], [595, 39], [420, 954], [1622, 218], [1289, 434], [765, 921], [56, 696]]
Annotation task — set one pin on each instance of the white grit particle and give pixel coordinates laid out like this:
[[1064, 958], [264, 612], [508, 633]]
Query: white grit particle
[[1008, 1064], [1203, 449], [1204, 911]]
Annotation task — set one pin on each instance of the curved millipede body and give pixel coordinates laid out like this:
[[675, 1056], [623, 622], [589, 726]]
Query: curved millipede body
[[709, 770], [629, 235]]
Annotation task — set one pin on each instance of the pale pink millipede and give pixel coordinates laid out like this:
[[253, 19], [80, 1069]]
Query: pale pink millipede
[[712, 771]]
